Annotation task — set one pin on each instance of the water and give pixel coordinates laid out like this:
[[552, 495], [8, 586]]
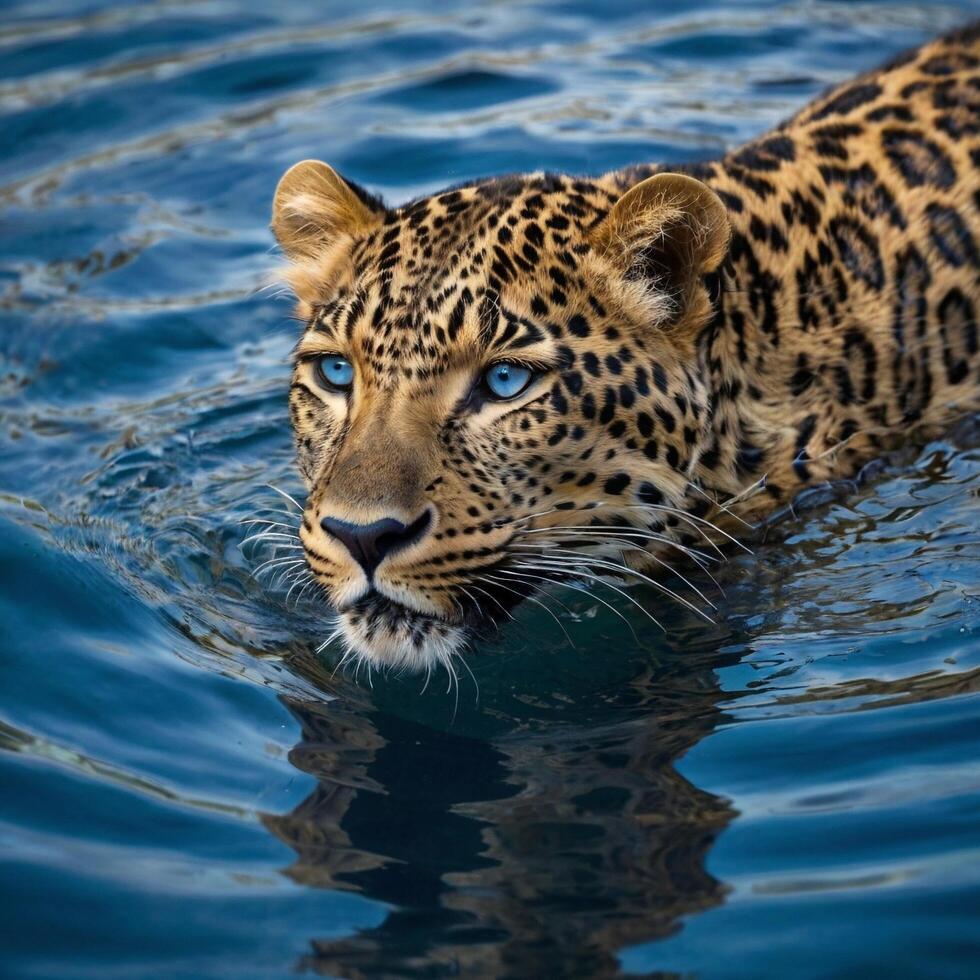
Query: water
[[186, 791]]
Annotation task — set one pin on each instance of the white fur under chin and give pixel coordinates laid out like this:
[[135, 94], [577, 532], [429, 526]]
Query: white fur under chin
[[385, 647]]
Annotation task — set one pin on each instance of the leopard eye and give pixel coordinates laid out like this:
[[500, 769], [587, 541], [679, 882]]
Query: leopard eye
[[506, 380], [335, 373]]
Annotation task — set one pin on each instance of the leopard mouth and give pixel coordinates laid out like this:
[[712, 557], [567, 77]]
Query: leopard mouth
[[384, 633], [377, 609]]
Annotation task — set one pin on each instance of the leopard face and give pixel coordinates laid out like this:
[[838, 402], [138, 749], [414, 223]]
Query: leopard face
[[488, 377]]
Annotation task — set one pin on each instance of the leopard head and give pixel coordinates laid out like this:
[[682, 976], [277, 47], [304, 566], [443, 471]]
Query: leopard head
[[489, 378]]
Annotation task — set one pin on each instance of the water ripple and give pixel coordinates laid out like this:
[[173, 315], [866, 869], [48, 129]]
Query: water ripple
[[780, 788]]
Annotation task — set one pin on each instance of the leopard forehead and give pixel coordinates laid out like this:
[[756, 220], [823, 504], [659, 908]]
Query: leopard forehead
[[501, 267]]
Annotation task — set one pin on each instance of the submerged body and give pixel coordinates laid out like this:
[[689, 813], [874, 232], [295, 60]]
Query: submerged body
[[536, 377]]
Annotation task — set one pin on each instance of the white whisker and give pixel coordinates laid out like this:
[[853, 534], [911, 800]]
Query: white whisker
[[466, 667], [652, 557], [270, 536], [538, 602], [621, 570], [621, 534], [490, 595], [286, 496], [599, 580], [748, 491], [580, 591]]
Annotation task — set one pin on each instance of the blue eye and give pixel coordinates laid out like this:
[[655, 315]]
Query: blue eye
[[506, 380], [335, 372]]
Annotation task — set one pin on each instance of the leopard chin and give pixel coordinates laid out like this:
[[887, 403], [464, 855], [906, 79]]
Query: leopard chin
[[379, 633]]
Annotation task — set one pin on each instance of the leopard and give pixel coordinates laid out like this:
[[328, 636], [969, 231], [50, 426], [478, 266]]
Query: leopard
[[540, 378]]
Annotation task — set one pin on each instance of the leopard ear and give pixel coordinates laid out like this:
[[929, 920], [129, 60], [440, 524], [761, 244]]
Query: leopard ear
[[669, 231], [314, 206]]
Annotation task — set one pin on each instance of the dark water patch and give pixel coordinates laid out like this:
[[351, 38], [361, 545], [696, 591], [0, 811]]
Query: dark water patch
[[463, 90]]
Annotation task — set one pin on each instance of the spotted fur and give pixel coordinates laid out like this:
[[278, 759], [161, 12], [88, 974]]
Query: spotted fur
[[710, 342]]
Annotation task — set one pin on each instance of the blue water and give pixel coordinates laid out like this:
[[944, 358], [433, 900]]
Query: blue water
[[186, 790]]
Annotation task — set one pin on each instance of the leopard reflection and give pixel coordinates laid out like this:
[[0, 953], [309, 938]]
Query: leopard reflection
[[530, 855]]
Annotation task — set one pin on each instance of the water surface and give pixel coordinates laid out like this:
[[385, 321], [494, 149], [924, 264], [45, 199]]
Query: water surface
[[188, 790]]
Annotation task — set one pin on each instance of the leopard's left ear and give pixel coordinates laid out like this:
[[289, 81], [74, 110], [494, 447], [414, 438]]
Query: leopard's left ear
[[314, 207], [669, 230]]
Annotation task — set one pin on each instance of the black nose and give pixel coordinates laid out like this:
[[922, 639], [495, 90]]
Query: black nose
[[369, 544]]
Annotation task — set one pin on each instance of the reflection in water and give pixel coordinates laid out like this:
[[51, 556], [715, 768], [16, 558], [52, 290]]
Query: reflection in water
[[537, 855]]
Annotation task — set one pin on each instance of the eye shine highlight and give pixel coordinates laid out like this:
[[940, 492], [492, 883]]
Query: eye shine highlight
[[335, 373], [506, 380]]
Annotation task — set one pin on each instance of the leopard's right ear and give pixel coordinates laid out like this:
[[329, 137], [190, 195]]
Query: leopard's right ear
[[665, 234], [314, 207]]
